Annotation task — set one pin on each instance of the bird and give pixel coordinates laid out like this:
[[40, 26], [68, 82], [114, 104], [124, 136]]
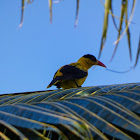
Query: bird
[[73, 75]]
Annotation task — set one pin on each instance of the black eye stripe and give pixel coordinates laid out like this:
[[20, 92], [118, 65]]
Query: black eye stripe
[[93, 58]]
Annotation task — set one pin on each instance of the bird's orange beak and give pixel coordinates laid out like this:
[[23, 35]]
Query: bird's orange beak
[[100, 64]]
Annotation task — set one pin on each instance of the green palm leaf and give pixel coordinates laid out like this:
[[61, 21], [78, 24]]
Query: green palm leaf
[[138, 53], [101, 112]]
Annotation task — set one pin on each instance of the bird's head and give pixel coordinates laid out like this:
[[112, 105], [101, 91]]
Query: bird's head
[[89, 60]]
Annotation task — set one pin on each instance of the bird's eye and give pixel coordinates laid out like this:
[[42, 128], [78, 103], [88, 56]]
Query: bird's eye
[[93, 58]]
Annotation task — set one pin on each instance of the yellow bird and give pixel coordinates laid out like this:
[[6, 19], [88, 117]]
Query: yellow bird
[[74, 74]]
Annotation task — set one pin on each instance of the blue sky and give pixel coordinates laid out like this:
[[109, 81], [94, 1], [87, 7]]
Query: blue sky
[[30, 56]]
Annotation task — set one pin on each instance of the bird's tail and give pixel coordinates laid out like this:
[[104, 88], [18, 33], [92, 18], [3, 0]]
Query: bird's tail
[[49, 85], [53, 82]]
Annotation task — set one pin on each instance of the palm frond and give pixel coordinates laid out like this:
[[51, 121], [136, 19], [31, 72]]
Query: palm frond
[[120, 26], [138, 53], [22, 13], [128, 30], [113, 18], [77, 11], [105, 25], [124, 13], [100, 112], [22, 10], [108, 10], [50, 9]]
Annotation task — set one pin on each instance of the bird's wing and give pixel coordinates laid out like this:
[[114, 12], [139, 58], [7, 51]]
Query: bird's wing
[[69, 72]]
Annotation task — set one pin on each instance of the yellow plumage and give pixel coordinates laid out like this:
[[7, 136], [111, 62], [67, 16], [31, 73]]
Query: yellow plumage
[[74, 74]]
